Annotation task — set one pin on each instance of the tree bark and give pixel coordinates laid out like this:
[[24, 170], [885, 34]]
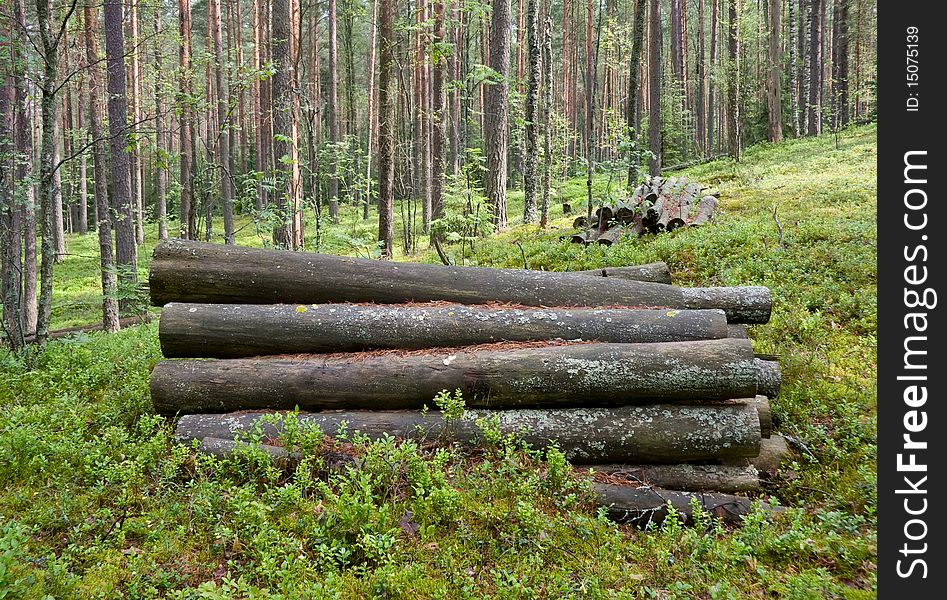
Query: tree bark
[[282, 120], [126, 251], [654, 108], [136, 170], [546, 112], [496, 113], [532, 98], [657, 272], [580, 374], [770, 377], [772, 452], [110, 321], [23, 144], [198, 272], [244, 330], [660, 433], [386, 127], [438, 117], [10, 246]]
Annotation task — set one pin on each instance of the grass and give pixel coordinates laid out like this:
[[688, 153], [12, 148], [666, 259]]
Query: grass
[[99, 502]]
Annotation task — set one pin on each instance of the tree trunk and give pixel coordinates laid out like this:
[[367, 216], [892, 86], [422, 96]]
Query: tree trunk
[[110, 320], [546, 112], [386, 126], [333, 104], [814, 108], [83, 212], [793, 60], [660, 433], [532, 98], [281, 82], [222, 145], [126, 252], [802, 71], [47, 160], [23, 145], [496, 117], [136, 166], [198, 272], [685, 477], [712, 83], [701, 104], [372, 130], [631, 106], [644, 505], [733, 87], [438, 117], [245, 330], [774, 86], [59, 230], [161, 142], [657, 272], [186, 213], [10, 243], [654, 108]]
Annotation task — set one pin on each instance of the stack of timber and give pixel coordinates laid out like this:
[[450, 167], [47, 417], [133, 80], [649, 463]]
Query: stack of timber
[[642, 383], [657, 205]]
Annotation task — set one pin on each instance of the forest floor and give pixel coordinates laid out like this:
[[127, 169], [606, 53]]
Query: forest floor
[[97, 500]]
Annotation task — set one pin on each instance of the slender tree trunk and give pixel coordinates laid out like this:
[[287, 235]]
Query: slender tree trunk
[[439, 75], [774, 86], [532, 98], [631, 107], [793, 58], [186, 214], [802, 68], [712, 80], [701, 104], [842, 78], [496, 113], [223, 123], [119, 140], [161, 143], [100, 190], [654, 108], [83, 212], [137, 170], [386, 131], [546, 110], [59, 230], [733, 87], [372, 132], [282, 120], [10, 247], [333, 105], [25, 191], [814, 108]]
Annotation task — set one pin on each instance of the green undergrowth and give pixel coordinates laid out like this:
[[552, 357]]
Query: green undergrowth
[[97, 500]]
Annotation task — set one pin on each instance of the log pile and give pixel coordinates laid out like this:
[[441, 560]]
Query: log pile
[[657, 205], [643, 383]]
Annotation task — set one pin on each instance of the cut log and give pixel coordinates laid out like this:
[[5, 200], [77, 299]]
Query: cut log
[[657, 272], [611, 236], [643, 505], [766, 415], [686, 477], [186, 271], [659, 433], [565, 375], [737, 331], [705, 211], [243, 330], [770, 377], [225, 447], [772, 452]]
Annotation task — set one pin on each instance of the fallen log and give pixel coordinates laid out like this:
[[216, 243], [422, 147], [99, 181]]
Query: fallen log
[[242, 330], [659, 433], [766, 414], [643, 505], [686, 477], [770, 377], [737, 331], [705, 211], [772, 452], [564, 375], [185, 271], [657, 272]]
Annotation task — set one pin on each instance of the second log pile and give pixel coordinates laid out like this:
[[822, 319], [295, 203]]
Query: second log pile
[[644, 382]]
